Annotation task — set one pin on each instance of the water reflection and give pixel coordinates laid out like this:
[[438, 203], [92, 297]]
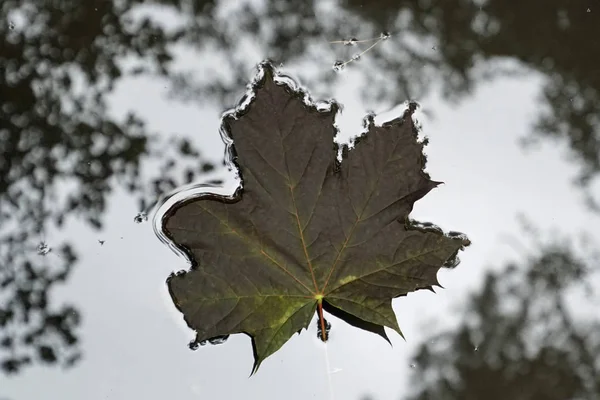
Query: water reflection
[[63, 153], [519, 337], [459, 44]]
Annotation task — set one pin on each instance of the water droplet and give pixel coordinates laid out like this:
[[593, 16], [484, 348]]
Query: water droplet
[[323, 105], [452, 262], [385, 35], [101, 242], [140, 217], [351, 42], [43, 249], [356, 57], [218, 339], [195, 344], [338, 66], [459, 236], [424, 226]]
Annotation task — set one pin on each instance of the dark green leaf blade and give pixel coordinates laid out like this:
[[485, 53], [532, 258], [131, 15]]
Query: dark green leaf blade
[[285, 151], [413, 266], [377, 257], [258, 244], [355, 321], [220, 304], [303, 231]]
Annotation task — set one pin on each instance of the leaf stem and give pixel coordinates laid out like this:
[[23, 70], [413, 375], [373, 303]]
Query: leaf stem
[[322, 320]]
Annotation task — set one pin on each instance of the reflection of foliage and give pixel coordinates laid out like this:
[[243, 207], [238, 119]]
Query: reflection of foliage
[[445, 41], [62, 154], [558, 45], [58, 60], [519, 339], [439, 39], [48, 332]]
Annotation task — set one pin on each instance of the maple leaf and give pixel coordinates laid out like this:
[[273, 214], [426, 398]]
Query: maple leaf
[[305, 232]]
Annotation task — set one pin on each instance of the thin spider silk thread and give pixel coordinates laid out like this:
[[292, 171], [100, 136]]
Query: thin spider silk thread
[[383, 36]]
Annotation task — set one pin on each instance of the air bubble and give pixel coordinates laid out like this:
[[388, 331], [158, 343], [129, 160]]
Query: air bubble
[[101, 242], [218, 339], [413, 366], [460, 236], [11, 25], [476, 349], [351, 42], [385, 35], [43, 249], [338, 66], [356, 57], [323, 106], [195, 344], [424, 226], [588, 10], [140, 217], [452, 262]]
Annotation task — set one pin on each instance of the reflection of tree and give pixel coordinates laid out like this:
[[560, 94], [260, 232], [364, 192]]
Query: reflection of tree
[[443, 41], [59, 59], [435, 40], [62, 155], [558, 45], [519, 339]]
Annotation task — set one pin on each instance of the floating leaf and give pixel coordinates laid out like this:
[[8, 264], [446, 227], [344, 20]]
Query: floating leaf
[[305, 232]]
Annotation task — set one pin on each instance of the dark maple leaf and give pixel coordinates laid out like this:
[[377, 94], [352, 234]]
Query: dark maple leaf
[[305, 232]]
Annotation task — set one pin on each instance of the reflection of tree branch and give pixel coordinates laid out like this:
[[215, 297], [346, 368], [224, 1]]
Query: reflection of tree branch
[[528, 345], [27, 319], [469, 41], [61, 59], [62, 154]]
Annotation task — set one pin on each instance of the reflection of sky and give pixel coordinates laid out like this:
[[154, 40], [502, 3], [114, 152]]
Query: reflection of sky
[[135, 343]]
